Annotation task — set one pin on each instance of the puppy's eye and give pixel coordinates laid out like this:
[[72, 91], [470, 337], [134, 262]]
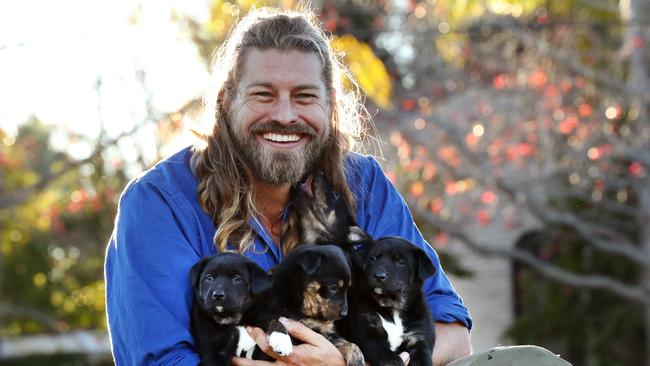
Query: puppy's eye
[[334, 287], [373, 258], [208, 278], [400, 261], [236, 279]]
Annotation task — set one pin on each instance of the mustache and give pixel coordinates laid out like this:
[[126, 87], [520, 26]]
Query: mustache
[[276, 127]]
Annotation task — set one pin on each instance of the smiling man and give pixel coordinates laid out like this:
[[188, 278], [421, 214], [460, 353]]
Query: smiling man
[[280, 114], [279, 111]]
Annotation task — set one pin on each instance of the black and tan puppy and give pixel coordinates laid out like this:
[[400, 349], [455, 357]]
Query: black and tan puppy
[[323, 214], [224, 288], [387, 311], [309, 285]]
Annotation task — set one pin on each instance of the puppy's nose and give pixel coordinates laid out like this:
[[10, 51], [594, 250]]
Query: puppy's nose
[[218, 294], [380, 276]]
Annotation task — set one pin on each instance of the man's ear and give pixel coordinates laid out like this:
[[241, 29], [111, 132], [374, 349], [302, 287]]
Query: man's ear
[[425, 268], [196, 270], [260, 280], [310, 261], [225, 99]]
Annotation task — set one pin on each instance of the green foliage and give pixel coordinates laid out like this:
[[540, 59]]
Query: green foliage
[[58, 360], [53, 242]]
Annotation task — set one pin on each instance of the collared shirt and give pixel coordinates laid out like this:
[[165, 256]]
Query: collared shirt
[[161, 231]]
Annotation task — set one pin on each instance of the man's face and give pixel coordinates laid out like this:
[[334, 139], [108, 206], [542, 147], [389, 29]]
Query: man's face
[[280, 115]]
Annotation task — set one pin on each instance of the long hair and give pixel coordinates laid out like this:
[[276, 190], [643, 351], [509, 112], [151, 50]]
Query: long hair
[[226, 191]]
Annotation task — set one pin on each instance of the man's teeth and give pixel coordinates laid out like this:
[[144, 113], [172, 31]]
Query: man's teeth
[[280, 138]]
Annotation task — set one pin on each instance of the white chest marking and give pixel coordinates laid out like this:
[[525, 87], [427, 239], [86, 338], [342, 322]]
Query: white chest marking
[[394, 329], [246, 344]]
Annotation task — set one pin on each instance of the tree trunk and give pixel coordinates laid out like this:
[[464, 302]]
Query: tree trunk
[[638, 88], [644, 206]]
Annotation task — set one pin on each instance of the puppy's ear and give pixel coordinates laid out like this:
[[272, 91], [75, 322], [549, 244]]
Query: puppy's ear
[[359, 251], [357, 234], [310, 261], [319, 184], [196, 270], [425, 268], [260, 280]]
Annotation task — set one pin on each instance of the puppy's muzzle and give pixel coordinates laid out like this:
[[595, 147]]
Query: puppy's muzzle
[[218, 295], [381, 275]]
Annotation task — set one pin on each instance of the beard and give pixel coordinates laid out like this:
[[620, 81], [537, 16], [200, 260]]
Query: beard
[[277, 167]]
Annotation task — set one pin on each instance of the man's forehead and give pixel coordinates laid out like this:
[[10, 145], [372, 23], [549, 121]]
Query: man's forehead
[[268, 68]]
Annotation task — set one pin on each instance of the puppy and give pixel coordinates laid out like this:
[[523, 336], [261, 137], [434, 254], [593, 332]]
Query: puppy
[[224, 288], [388, 314], [324, 216], [309, 285]]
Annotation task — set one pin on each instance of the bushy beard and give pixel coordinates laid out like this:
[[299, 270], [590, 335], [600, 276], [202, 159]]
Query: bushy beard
[[277, 167]]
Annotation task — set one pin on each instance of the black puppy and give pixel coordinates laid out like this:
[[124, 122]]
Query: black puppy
[[309, 285], [388, 314], [224, 288]]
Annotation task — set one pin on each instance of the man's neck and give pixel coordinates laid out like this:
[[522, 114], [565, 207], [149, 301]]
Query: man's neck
[[271, 200]]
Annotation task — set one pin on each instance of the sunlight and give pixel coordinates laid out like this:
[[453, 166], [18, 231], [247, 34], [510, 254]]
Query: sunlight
[[52, 60]]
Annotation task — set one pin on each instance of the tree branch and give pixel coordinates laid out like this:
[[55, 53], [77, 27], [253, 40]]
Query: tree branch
[[548, 270], [29, 313], [573, 64], [600, 237], [17, 197]]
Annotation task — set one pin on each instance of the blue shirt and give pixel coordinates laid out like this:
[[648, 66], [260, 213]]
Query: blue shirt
[[161, 231]]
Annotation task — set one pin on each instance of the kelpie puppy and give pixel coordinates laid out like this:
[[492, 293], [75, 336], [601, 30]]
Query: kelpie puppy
[[324, 216], [309, 285], [224, 287], [388, 314]]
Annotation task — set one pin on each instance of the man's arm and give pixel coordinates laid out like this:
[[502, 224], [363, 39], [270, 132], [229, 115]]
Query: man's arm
[[148, 293], [452, 343]]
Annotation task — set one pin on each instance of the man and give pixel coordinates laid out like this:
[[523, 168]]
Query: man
[[279, 112]]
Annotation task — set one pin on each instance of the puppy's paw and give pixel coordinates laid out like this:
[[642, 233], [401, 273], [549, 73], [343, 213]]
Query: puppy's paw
[[246, 344], [352, 354], [281, 343]]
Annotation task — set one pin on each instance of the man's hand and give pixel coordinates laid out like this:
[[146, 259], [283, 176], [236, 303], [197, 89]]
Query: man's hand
[[315, 351], [452, 343]]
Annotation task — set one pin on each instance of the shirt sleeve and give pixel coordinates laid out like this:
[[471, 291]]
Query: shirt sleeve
[[148, 292], [382, 211]]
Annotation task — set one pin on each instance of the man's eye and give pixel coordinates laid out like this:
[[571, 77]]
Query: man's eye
[[208, 278], [262, 95], [305, 97], [236, 279]]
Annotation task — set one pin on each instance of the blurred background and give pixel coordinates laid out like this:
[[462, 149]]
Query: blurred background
[[517, 130]]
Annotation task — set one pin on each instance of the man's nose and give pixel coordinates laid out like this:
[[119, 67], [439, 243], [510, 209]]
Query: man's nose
[[284, 111]]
